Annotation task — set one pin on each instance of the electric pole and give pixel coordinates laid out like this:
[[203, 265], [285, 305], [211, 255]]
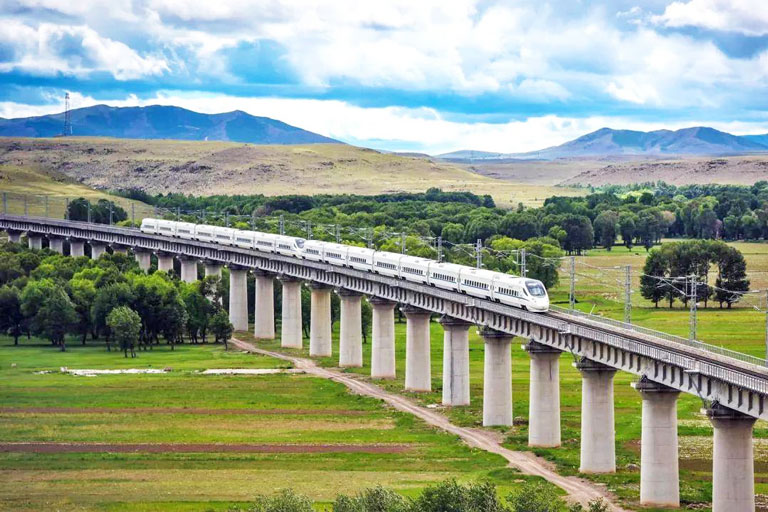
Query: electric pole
[[439, 249], [479, 253], [523, 267], [309, 230], [694, 299], [370, 238], [282, 224], [46, 206], [628, 294], [572, 294], [402, 243], [338, 234]]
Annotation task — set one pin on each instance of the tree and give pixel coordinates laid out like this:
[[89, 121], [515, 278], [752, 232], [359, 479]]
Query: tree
[[627, 222], [125, 323], [198, 310], [285, 501], [651, 287], [366, 318], [606, 226], [99, 212], [580, 235], [731, 279], [11, 318], [106, 299], [83, 293], [56, 317], [221, 327], [451, 495], [536, 497]]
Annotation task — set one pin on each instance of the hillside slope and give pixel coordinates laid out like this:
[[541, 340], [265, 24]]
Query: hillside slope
[[208, 168], [163, 122]]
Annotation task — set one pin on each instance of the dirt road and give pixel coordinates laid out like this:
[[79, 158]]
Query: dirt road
[[578, 489]]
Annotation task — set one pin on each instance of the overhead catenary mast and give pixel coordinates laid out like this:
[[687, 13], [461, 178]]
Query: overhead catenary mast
[[67, 117]]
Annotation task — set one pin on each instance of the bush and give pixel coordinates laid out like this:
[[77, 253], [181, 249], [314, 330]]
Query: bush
[[285, 501], [536, 497], [376, 499], [451, 496]]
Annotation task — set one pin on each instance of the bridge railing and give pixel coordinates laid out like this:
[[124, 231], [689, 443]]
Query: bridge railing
[[663, 335], [86, 209]]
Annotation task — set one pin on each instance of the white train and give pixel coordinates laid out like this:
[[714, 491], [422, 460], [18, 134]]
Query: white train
[[524, 293]]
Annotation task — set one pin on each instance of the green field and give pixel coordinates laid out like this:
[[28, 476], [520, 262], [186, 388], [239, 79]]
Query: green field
[[274, 410], [694, 429]]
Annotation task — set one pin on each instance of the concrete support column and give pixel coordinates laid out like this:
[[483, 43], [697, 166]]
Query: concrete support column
[[497, 378], [544, 402], [97, 250], [382, 339], [144, 259], [212, 269], [350, 330], [14, 236], [418, 360], [188, 269], [291, 335], [320, 321], [598, 445], [659, 474], [733, 464], [264, 306], [164, 262], [35, 241], [238, 298], [76, 248], [455, 361], [56, 244]]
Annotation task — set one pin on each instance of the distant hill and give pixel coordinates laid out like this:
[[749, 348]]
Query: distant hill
[[606, 142], [163, 122]]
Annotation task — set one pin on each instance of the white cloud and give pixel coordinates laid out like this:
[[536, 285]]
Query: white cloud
[[48, 49], [748, 17], [396, 128]]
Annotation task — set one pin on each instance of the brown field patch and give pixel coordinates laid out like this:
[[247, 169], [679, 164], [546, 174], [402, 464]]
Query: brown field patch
[[199, 448]]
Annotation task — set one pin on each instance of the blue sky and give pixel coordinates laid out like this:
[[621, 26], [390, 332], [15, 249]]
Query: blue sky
[[424, 75]]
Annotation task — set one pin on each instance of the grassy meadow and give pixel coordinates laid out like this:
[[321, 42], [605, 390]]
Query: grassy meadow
[[182, 406]]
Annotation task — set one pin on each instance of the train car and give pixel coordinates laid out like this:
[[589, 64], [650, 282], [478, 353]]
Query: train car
[[335, 254], [223, 236], [264, 241], [524, 293], [204, 233], [149, 226], [312, 250], [244, 239], [387, 263], [289, 245], [185, 230], [538, 295], [445, 275], [477, 282], [166, 228], [415, 269], [360, 258]]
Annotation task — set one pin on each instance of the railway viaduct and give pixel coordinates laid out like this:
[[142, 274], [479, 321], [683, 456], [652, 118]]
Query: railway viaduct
[[734, 386]]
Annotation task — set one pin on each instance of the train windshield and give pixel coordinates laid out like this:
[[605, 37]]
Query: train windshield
[[535, 288], [300, 243]]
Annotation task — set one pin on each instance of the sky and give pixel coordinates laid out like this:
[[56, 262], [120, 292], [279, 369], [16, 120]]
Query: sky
[[404, 75]]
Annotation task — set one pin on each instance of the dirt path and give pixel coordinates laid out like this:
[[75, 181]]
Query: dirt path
[[578, 489], [199, 448]]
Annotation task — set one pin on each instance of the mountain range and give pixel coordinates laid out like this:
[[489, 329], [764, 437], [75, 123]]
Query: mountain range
[[163, 122], [607, 142]]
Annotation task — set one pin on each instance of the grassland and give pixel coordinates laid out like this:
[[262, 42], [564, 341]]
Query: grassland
[[184, 406], [38, 184], [204, 168]]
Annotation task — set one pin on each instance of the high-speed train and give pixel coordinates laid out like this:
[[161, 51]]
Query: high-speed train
[[524, 293]]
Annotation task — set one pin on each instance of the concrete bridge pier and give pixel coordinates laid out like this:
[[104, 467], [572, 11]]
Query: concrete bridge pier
[[350, 330], [14, 236], [238, 297], [659, 473], [418, 361], [733, 464], [188, 269], [56, 244], [544, 402], [455, 361], [34, 241], [144, 259], [212, 269], [382, 339], [291, 335], [598, 435], [264, 306], [97, 250], [76, 248], [165, 262], [119, 249], [320, 334], [497, 378]]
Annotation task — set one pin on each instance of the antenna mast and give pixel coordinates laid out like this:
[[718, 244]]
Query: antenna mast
[[67, 117]]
